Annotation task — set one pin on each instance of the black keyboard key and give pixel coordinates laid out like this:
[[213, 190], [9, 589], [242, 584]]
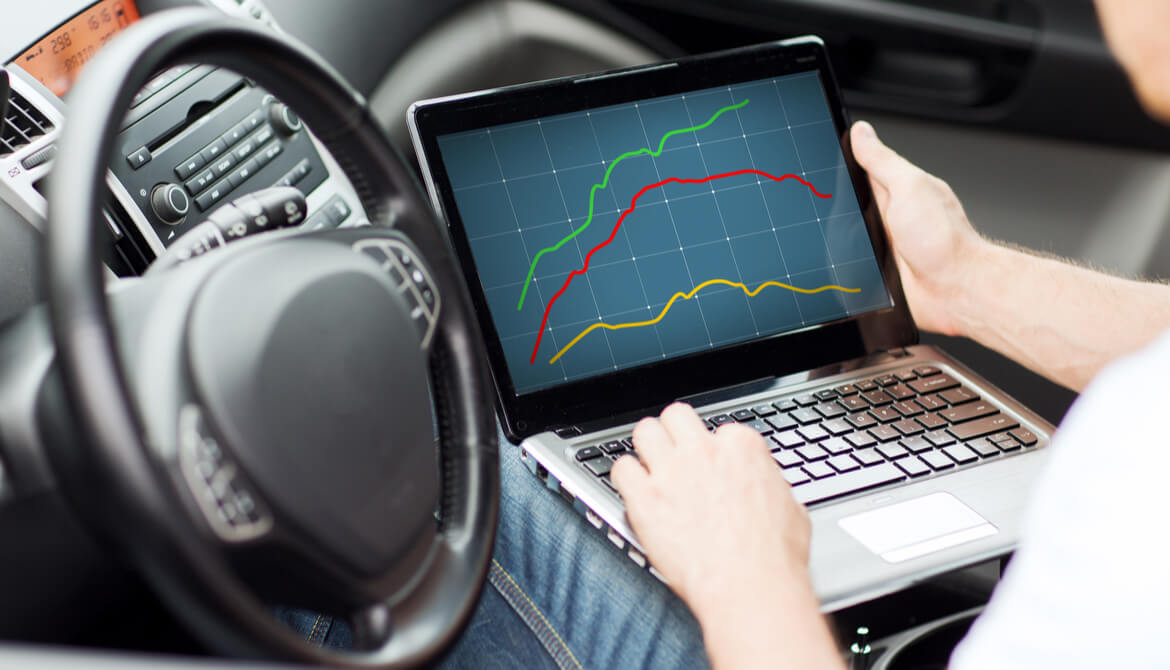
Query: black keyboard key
[[930, 402], [836, 446], [1025, 436], [917, 444], [720, 419], [764, 410], [983, 447], [811, 452], [599, 466], [812, 433], [959, 396], [961, 454], [913, 466], [1008, 445], [974, 410], [933, 384], [853, 482], [837, 426], [830, 410], [806, 415], [901, 392], [805, 400], [781, 422], [588, 453], [861, 440], [877, 397], [796, 476], [905, 375], [609, 483], [760, 427], [787, 458], [861, 420], [854, 403], [939, 438], [743, 415], [937, 460], [885, 380], [785, 405], [846, 390], [844, 463], [907, 408], [885, 414], [892, 450], [926, 371], [819, 470], [981, 427], [932, 421], [614, 447], [868, 457], [865, 385], [710, 426], [909, 427], [826, 394], [629, 442], [788, 439], [884, 433]]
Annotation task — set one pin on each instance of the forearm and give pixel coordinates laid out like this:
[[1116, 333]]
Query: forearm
[[1063, 321], [777, 623]]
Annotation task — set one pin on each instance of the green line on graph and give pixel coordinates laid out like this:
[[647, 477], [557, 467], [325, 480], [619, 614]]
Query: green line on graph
[[605, 183]]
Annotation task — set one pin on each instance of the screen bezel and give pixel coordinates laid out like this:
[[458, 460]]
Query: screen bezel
[[657, 384]]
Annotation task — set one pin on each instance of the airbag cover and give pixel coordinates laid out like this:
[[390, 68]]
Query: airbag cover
[[310, 366]]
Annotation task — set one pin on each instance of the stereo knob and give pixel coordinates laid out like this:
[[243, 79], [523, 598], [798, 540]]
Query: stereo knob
[[284, 119], [170, 203]]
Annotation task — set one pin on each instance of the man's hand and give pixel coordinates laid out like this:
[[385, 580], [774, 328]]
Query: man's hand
[[717, 519], [934, 244]]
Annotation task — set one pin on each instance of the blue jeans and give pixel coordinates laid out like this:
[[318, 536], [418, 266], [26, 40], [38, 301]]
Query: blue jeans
[[559, 596]]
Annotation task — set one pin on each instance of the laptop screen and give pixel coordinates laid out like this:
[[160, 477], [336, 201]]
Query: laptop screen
[[624, 235]]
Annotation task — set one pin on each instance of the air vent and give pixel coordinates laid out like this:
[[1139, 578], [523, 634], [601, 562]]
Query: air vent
[[23, 123]]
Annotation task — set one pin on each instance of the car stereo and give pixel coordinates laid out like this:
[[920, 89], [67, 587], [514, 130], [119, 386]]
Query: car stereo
[[197, 134]]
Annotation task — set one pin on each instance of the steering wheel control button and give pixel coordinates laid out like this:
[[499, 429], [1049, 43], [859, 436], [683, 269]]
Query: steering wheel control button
[[227, 503], [284, 119], [412, 279], [170, 203], [139, 158], [338, 210]]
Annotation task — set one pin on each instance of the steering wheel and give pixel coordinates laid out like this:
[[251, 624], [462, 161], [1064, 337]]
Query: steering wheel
[[254, 426]]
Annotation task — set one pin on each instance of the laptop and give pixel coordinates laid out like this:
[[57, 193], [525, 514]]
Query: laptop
[[698, 230]]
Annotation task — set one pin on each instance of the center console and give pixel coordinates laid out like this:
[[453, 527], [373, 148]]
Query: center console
[[194, 138]]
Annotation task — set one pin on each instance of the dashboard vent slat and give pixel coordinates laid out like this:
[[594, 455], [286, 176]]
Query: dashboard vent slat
[[22, 124]]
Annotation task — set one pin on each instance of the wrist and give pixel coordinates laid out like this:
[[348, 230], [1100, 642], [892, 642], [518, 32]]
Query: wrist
[[958, 290]]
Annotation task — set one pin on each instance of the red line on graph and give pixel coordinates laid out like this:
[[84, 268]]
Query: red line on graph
[[633, 204]]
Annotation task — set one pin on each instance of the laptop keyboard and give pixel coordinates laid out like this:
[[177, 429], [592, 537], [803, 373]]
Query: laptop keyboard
[[844, 439]]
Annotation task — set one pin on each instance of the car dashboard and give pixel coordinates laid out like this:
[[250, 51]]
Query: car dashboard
[[194, 138]]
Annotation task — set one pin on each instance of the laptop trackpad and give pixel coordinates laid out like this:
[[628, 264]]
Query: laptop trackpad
[[917, 527]]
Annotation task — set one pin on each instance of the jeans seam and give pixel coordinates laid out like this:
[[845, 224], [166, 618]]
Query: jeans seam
[[534, 618]]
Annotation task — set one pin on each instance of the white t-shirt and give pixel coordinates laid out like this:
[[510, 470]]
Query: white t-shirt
[[1089, 586]]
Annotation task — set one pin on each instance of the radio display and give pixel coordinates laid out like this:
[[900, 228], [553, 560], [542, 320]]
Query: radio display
[[57, 59]]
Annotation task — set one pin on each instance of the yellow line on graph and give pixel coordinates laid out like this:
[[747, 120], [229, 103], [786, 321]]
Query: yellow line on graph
[[688, 296]]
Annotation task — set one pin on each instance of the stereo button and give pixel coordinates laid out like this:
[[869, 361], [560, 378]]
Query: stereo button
[[213, 151], [190, 166], [201, 181], [139, 158]]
